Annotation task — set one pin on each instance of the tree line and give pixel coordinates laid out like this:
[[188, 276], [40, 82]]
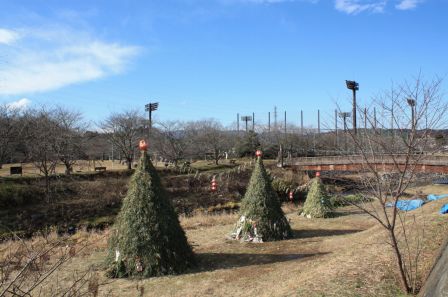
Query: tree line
[[57, 135]]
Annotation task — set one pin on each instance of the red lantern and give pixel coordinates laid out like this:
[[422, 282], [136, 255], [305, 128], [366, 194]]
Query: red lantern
[[318, 174], [258, 153], [214, 186], [143, 146], [291, 195]]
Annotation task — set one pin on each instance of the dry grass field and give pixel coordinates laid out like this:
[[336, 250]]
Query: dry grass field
[[341, 256], [81, 166], [84, 166]]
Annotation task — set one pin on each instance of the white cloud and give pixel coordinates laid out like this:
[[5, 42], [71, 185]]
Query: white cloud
[[358, 6], [55, 58], [19, 104], [408, 4], [8, 37]]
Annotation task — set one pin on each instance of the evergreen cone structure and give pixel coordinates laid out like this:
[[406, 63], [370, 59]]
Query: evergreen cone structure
[[317, 203], [147, 239], [262, 218]]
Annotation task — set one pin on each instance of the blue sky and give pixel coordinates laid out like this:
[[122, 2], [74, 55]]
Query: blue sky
[[215, 58]]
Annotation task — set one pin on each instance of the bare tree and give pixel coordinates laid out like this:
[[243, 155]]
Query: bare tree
[[40, 135], [169, 140], [400, 138], [247, 144], [10, 131], [207, 137], [51, 135], [123, 131], [69, 141], [27, 267]]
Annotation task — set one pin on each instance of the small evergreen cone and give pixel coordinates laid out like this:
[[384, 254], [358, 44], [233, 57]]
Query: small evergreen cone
[[147, 239], [317, 203], [262, 218]]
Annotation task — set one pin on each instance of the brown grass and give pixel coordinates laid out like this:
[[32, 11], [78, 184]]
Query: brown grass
[[342, 256], [201, 219], [85, 166]]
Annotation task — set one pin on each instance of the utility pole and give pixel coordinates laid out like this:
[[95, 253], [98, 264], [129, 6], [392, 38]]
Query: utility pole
[[392, 125], [374, 118], [150, 107], [344, 116], [275, 117], [238, 123], [336, 127], [285, 122], [269, 121], [365, 120], [354, 86], [392, 118], [301, 121], [318, 121], [253, 121]]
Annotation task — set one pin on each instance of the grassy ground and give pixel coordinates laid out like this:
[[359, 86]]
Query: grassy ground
[[28, 169], [93, 199], [83, 166], [342, 256]]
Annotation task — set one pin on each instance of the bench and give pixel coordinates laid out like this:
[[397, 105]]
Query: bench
[[100, 168], [15, 170]]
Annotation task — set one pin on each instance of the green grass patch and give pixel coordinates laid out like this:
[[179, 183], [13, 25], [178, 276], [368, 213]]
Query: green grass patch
[[97, 222], [345, 200], [15, 195]]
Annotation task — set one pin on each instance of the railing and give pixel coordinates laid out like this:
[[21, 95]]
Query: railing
[[378, 159]]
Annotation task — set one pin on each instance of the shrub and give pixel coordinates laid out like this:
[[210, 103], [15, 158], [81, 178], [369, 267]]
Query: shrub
[[147, 239], [282, 187], [317, 203], [261, 216], [340, 200]]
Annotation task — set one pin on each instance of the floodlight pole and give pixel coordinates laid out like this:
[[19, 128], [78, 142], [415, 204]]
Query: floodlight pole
[[150, 107], [411, 103], [354, 86], [246, 119], [354, 112]]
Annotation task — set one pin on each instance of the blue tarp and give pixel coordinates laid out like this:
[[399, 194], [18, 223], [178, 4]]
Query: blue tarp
[[407, 205], [444, 209], [432, 197]]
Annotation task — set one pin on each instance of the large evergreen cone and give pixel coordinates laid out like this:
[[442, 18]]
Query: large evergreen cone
[[262, 218], [317, 203], [147, 239]]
